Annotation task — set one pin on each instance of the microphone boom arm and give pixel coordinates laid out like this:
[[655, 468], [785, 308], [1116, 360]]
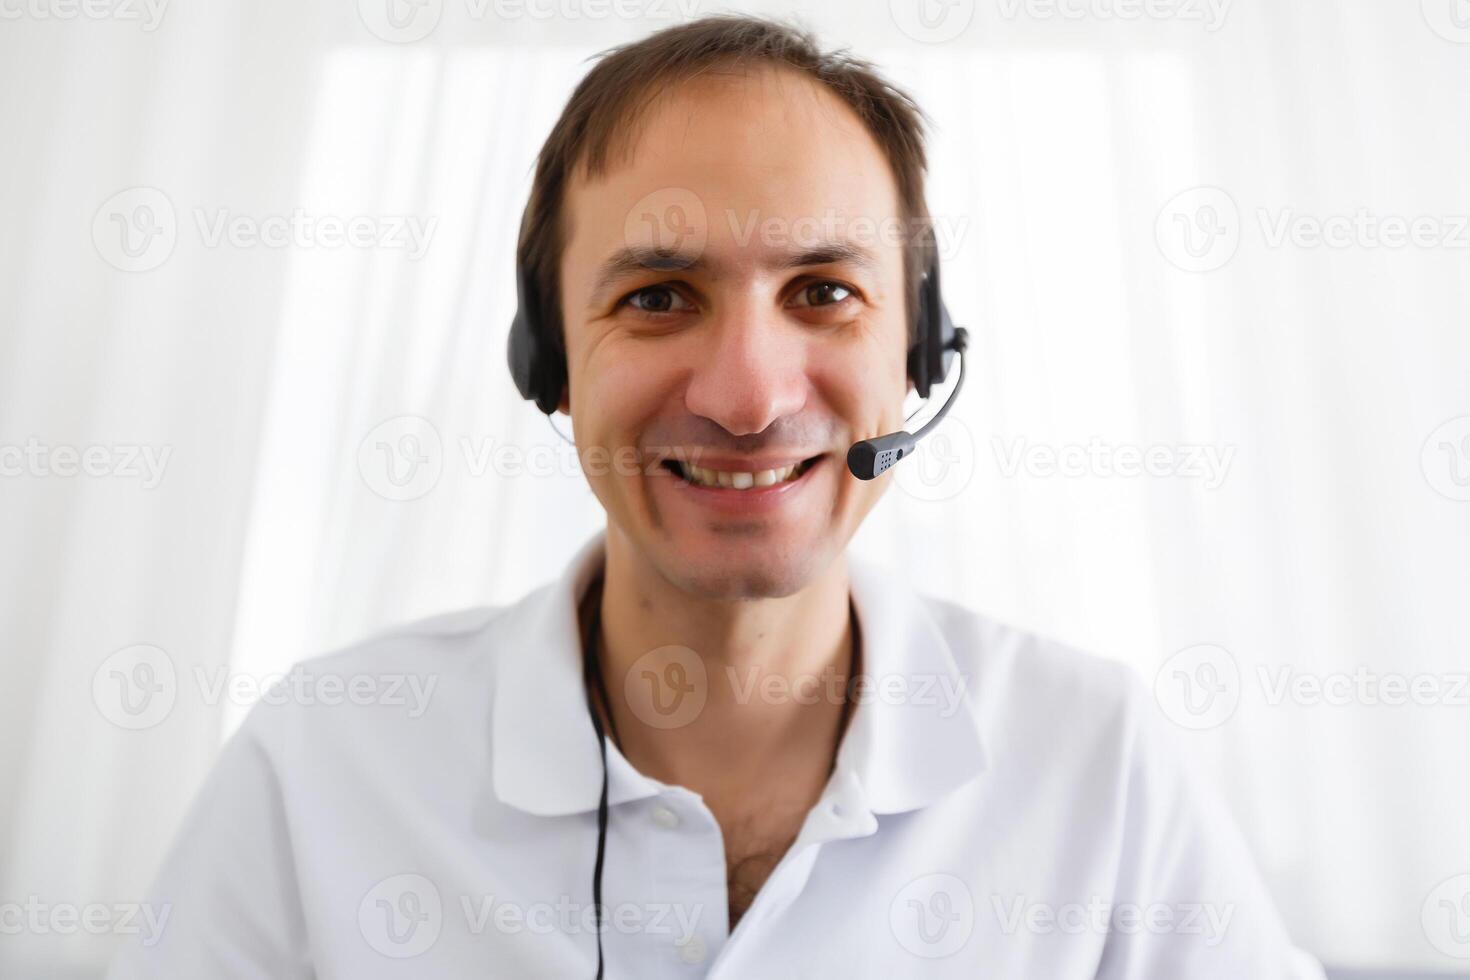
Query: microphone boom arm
[[867, 459]]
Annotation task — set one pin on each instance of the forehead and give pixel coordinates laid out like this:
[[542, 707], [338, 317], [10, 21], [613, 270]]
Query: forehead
[[741, 162]]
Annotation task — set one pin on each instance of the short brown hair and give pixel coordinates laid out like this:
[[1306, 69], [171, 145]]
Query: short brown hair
[[626, 78]]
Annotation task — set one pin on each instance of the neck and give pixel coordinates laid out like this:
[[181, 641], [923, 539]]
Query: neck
[[774, 673]]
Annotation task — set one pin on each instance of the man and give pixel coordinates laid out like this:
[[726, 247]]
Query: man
[[810, 771]]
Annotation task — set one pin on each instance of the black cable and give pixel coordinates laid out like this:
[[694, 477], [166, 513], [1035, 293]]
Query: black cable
[[592, 671]]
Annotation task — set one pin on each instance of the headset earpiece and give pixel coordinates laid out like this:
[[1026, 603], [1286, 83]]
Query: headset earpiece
[[933, 347], [537, 364]]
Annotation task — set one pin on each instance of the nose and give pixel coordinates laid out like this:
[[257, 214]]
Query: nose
[[752, 371]]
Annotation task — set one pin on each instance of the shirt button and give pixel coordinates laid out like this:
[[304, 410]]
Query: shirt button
[[692, 950], [665, 818]]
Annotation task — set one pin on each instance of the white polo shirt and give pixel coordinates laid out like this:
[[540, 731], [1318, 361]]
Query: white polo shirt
[[1001, 807]]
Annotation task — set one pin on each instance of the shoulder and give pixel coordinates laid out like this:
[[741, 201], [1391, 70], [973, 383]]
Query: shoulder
[[1030, 669], [1041, 701], [453, 640], [425, 678], [438, 639]]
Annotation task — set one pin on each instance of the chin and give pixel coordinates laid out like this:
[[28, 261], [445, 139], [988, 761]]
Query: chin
[[730, 568]]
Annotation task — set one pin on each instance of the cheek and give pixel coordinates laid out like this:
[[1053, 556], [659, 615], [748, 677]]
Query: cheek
[[616, 387], [864, 383]]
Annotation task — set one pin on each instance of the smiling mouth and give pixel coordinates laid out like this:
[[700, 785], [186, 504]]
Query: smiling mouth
[[702, 476]]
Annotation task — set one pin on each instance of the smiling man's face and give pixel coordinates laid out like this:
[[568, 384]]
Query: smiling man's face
[[775, 339]]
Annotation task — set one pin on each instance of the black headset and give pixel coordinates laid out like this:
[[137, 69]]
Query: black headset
[[538, 362]]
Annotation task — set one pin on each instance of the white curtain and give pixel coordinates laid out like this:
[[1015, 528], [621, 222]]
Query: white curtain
[[250, 414]]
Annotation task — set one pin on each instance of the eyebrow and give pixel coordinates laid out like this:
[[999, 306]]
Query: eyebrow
[[637, 259]]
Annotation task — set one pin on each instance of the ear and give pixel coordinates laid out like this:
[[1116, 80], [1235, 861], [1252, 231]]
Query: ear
[[565, 404]]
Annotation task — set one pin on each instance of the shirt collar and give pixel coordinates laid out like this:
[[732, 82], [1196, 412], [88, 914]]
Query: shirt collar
[[908, 742]]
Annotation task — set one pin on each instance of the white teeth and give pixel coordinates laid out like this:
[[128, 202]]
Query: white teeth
[[739, 480]]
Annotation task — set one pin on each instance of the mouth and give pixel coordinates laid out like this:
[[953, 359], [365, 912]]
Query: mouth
[[745, 481]]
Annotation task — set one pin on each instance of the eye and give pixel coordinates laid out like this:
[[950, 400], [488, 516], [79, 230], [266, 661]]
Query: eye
[[821, 294], [656, 299]]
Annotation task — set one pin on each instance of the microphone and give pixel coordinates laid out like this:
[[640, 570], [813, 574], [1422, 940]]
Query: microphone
[[866, 459]]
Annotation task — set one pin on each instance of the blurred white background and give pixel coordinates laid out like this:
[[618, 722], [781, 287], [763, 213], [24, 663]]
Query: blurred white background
[[1226, 238]]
